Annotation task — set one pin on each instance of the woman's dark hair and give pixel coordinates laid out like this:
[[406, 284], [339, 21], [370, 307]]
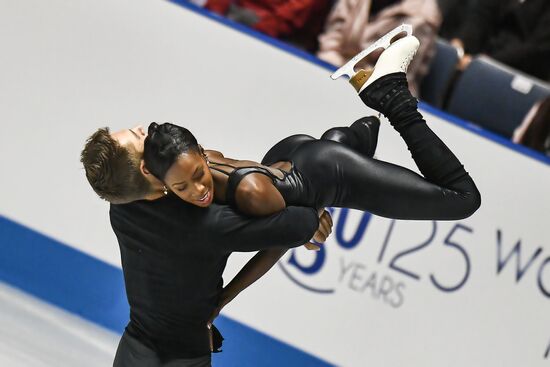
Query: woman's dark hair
[[163, 145]]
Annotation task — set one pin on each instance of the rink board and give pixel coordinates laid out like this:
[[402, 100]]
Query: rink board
[[381, 293]]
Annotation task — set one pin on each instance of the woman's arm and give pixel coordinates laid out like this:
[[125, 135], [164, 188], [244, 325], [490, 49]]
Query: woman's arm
[[254, 269], [257, 196], [263, 261]]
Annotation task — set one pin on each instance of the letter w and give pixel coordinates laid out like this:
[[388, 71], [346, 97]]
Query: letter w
[[520, 271]]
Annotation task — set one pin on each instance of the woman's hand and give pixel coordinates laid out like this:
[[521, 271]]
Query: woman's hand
[[254, 269], [225, 298]]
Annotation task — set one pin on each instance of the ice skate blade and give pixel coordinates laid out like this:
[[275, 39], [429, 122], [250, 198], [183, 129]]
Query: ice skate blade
[[383, 42]]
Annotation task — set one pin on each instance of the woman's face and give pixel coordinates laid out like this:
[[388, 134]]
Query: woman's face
[[190, 179]]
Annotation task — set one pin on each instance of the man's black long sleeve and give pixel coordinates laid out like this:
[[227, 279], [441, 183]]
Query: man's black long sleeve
[[289, 228], [173, 257]]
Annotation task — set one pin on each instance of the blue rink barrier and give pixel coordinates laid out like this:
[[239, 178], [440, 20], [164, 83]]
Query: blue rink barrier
[[94, 290]]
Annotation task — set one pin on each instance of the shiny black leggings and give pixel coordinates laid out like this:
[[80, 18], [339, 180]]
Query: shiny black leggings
[[336, 174]]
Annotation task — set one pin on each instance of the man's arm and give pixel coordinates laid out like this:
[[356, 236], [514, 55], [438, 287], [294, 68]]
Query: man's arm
[[291, 227]]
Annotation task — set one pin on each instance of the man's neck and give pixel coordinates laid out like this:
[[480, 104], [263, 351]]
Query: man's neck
[[154, 196]]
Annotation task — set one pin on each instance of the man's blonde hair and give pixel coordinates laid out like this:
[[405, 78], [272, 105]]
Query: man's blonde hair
[[113, 170]]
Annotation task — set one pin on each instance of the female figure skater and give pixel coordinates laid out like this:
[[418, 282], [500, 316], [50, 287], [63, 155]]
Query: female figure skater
[[304, 171], [301, 170]]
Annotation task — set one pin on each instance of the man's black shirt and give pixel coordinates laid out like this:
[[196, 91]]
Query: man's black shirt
[[173, 256]]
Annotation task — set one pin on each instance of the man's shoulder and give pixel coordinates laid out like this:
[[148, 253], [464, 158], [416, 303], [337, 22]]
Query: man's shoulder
[[168, 211]]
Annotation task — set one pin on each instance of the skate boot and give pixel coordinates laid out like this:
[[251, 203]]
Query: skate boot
[[383, 43]]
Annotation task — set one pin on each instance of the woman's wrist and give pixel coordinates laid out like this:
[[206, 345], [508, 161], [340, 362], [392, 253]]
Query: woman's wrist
[[228, 294]]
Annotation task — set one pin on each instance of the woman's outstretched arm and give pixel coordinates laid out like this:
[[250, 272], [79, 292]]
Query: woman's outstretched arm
[[263, 261], [253, 270]]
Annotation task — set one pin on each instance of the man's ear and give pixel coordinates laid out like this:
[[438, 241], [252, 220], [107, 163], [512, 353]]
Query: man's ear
[[143, 169], [155, 182]]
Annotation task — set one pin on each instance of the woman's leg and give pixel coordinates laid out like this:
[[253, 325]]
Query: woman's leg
[[342, 177], [451, 192], [283, 150], [361, 136], [390, 96], [339, 176]]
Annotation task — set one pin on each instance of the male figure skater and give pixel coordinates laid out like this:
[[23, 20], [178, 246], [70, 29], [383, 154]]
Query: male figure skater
[[173, 253]]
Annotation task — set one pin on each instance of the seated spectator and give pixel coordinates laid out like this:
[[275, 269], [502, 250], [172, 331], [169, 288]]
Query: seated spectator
[[296, 21], [354, 24], [514, 32], [454, 13], [534, 131]]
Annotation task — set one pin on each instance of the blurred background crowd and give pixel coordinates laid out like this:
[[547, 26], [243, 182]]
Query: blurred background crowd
[[485, 61]]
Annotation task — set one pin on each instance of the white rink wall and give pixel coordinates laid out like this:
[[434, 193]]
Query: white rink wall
[[400, 293]]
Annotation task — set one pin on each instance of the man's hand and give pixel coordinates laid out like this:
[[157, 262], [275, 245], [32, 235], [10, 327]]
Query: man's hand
[[311, 246], [325, 226], [324, 230]]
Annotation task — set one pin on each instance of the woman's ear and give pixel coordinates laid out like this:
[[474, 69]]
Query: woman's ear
[[202, 153]]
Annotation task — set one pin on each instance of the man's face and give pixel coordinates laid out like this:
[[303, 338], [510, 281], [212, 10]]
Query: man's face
[[134, 137]]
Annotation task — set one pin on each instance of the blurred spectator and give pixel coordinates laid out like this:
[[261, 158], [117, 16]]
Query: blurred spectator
[[200, 3], [534, 131], [515, 32], [454, 13], [354, 24], [295, 21]]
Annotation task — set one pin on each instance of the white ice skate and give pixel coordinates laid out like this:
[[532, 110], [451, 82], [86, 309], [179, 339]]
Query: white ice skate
[[394, 59], [384, 42]]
